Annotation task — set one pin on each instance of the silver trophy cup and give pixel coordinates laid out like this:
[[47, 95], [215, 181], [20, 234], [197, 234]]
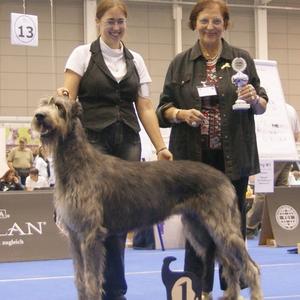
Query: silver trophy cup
[[239, 80]]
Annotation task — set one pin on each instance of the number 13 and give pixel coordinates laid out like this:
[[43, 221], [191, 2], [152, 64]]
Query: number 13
[[28, 30]]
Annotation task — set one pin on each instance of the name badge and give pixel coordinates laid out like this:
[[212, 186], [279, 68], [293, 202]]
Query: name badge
[[208, 90]]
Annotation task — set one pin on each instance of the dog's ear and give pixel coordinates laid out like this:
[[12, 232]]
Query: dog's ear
[[44, 101], [51, 100], [76, 109]]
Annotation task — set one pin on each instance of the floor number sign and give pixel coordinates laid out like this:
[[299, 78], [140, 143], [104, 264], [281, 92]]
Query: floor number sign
[[180, 285], [24, 30]]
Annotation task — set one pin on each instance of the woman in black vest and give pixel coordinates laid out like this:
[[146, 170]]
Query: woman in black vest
[[108, 80]]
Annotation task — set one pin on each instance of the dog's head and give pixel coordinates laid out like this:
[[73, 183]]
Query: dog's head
[[55, 117]]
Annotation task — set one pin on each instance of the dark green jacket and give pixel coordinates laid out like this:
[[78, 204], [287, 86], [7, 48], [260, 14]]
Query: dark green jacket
[[185, 73], [104, 100]]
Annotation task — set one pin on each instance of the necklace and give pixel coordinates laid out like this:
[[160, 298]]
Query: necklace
[[211, 60]]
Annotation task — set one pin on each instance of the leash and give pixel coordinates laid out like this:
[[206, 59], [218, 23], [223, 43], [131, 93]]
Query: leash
[[52, 47]]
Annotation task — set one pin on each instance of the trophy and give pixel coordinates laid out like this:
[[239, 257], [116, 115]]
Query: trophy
[[239, 80]]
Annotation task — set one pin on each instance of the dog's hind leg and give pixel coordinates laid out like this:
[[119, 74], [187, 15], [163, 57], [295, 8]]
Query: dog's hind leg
[[231, 274], [224, 230], [235, 259], [78, 263], [204, 247], [233, 256], [252, 275], [93, 253], [199, 241]]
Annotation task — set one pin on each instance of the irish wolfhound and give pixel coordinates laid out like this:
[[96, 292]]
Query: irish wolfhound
[[97, 194]]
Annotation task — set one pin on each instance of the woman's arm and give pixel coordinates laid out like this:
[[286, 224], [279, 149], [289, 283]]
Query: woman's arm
[[148, 118], [249, 94], [168, 113], [192, 117], [253, 92], [259, 106], [10, 159], [71, 85]]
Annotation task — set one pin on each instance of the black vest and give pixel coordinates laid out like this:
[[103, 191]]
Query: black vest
[[104, 100]]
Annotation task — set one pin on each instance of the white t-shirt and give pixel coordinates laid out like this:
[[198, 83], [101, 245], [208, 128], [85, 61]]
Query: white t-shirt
[[40, 183], [79, 60]]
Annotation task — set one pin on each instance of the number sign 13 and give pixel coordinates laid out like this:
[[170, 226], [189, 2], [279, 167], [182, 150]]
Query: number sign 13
[[24, 30]]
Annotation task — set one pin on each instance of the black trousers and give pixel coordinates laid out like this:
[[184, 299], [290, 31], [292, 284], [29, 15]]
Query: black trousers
[[204, 269], [23, 173], [144, 238], [121, 141]]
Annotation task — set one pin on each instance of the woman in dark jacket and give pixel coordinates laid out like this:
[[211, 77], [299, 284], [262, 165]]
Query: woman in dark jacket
[[197, 103]]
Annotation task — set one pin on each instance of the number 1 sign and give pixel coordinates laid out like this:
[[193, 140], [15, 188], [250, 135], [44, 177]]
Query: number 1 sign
[[24, 30]]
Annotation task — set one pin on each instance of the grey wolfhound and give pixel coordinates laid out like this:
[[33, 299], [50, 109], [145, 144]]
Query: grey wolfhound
[[97, 194]]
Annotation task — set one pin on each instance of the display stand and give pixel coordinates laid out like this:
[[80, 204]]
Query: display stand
[[180, 285], [280, 222]]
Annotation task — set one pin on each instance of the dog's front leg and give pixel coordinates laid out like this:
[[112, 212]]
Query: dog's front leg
[[93, 253], [78, 263]]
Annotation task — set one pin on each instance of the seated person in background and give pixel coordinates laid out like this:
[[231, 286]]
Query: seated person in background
[[34, 181], [10, 182]]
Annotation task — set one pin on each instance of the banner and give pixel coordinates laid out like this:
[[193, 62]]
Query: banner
[[27, 229]]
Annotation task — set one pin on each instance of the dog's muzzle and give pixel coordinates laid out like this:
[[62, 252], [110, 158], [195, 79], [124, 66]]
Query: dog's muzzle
[[40, 120], [39, 117]]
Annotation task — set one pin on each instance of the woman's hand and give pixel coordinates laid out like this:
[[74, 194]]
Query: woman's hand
[[62, 91], [248, 94], [192, 117], [164, 154], [15, 179]]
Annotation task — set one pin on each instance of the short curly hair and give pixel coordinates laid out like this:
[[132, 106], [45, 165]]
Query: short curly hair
[[201, 5]]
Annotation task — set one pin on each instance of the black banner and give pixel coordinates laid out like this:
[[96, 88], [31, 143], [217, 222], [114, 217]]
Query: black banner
[[27, 229]]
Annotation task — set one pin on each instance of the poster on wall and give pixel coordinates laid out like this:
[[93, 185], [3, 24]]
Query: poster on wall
[[11, 130], [13, 134], [275, 139]]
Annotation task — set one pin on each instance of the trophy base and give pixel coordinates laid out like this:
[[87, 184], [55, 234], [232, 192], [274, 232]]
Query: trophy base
[[241, 106]]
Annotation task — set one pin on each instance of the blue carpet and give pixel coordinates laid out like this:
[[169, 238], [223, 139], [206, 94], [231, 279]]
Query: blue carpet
[[53, 279]]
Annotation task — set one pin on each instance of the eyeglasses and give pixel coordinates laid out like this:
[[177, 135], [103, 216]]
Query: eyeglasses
[[214, 21], [112, 22]]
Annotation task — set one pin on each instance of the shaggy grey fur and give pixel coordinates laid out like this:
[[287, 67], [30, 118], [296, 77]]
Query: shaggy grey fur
[[97, 194]]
